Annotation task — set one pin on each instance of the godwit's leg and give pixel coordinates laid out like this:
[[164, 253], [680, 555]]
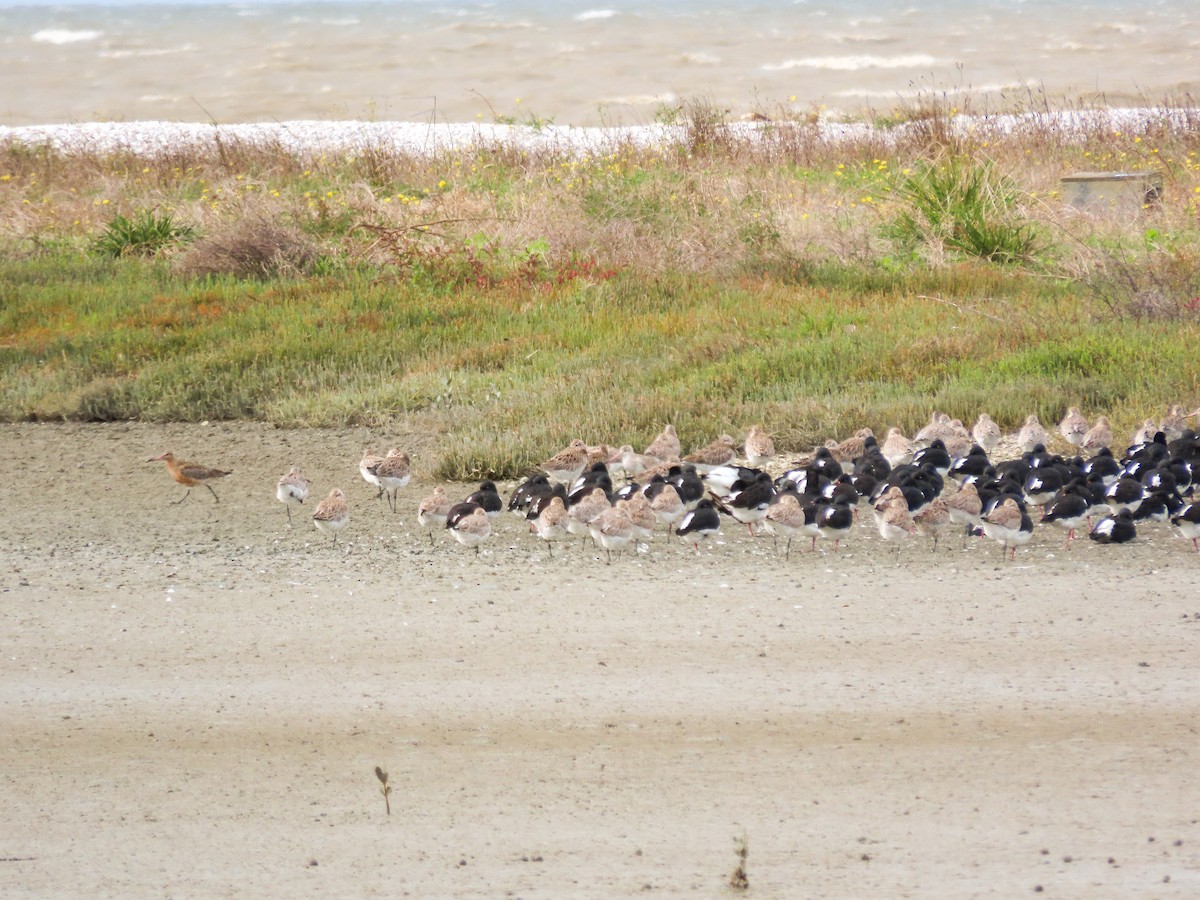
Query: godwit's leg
[[288, 507], [214, 493], [787, 552], [181, 499]]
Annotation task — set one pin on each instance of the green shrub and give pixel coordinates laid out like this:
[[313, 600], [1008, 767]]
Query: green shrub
[[965, 206], [146, 234]]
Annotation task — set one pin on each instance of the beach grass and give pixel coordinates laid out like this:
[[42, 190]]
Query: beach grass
[[509, 300]]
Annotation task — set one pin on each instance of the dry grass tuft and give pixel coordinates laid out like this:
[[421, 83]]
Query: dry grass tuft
[[250, 248]]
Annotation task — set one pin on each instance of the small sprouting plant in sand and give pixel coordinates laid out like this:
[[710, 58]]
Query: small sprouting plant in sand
[[385, 788], [738, 879]]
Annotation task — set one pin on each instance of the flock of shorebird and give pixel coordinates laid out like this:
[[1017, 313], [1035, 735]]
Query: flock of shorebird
[[943, 476]]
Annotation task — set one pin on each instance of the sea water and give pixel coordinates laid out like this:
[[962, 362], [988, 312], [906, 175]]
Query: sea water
[[577, 62]]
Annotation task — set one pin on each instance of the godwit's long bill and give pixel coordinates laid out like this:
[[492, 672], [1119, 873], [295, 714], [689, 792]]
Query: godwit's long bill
[[190, 474]]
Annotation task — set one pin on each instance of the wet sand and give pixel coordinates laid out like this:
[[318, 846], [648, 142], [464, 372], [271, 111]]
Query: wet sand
[[194, 698]]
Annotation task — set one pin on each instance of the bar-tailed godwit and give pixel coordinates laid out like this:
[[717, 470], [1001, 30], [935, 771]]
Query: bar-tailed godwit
[[1073, 427], [332, 514], [612, 529], [630, 462], [190, 474], [758, 447], [393, 472], [550, 521], [1031, 434], [433, 510], [366, 468], [665, 445], [896, 448], [789, 518], [471, 530], [1008, 524], [718, 453], [292, 490], [986, 433], [568, 464], [1099, 435], [931, 520]]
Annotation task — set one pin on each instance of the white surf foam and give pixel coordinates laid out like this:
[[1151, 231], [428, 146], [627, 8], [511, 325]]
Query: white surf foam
[[593, 14], [423, 139], [855, 63], [64, 36]]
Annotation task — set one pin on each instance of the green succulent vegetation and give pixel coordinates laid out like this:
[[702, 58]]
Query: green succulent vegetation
[[145, 234], [510, 300]]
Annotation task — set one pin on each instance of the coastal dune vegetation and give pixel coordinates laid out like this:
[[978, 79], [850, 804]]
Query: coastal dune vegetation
[[509, 298]]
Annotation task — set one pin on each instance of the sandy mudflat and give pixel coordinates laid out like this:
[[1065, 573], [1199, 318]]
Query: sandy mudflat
[[194, 699]]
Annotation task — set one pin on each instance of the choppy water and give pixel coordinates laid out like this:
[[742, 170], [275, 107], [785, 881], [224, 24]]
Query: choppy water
[[572, 62]]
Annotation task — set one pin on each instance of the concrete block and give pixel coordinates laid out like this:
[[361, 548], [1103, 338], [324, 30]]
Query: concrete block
[[1122, 193]]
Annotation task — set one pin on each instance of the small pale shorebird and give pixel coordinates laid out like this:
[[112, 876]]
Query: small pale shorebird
[[366, 468], [934, 517], [433, 510], [789, 519], [718, 453], [612, 529], [190, 474], [986, 433], [550, 521], [473, 529], [666, 445], [629, 461], [939, 428], [852, 447], [667, 504], [1074, 427], [332, 514], [567, 464], [642, 516], [1175, 422], [292, 490], [580, 516], [758, 446], [1145, 434], [895, 521], [1031, 434], [896, 448], [1009, 525], [393, 473], [1099, 435], [965, 507]]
